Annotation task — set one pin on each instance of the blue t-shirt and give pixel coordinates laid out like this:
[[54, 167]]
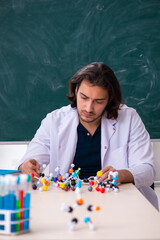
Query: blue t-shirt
[[88, 152]]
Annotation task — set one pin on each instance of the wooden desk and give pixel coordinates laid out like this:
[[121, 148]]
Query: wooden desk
[[123, 215]]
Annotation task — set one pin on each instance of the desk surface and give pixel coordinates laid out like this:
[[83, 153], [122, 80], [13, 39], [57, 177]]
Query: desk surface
[[123, 215]]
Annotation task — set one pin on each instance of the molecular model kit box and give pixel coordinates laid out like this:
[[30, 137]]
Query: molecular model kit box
[[14, 204]]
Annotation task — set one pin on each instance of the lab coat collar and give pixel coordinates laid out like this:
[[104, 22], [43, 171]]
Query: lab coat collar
[[67, 139], [108, 128]]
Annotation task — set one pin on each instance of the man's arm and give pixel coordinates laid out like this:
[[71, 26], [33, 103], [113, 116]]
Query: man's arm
[[38, 151], [140, 153], [125, 176]]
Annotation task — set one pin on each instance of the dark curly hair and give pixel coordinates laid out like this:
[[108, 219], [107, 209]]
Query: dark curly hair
[[98, 74]]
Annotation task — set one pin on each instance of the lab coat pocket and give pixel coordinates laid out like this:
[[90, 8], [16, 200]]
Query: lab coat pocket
[[118, 157]]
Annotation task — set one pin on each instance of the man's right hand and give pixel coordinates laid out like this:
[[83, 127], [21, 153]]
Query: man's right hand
[[30, 166]]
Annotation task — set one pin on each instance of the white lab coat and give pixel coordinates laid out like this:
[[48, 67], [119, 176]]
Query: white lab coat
[[125, 144]]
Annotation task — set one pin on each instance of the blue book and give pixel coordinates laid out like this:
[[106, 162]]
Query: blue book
[[6, 171]]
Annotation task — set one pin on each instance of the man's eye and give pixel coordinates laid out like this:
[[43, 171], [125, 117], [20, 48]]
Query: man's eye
[[83, 97], [99, 102]]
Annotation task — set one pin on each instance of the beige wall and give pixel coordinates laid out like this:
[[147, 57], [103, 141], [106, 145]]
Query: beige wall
[[10, 154]]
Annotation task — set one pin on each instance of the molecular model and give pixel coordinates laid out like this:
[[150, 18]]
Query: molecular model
[[69, 180], [42, 182], [66, 182], [109, 185], [79, 202]]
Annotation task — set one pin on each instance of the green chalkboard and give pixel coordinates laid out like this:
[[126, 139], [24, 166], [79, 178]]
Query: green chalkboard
[[44, 42]]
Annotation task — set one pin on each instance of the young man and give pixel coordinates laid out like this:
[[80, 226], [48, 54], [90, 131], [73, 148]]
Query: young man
[[96, 132]]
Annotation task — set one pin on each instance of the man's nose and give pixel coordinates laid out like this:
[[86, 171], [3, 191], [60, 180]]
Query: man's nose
[[89, 106]]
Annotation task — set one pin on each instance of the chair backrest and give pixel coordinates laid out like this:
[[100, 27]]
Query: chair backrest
[[156, 149]]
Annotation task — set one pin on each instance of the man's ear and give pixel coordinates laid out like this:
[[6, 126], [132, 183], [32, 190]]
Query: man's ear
[[76, 90], [111, 98]]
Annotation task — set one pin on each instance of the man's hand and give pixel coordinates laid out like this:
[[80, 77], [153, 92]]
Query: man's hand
[[30, 166], [105, 171], [124, 175]]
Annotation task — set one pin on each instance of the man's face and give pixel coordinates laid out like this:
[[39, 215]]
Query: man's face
[[91, 102]]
